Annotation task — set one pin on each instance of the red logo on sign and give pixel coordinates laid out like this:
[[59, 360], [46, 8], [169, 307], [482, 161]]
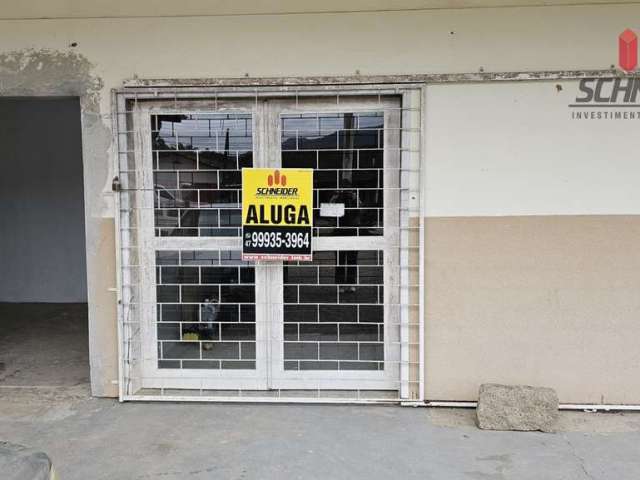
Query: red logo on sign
[[277, 179], [628, 50]]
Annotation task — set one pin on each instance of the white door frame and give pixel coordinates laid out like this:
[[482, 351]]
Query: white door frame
[[269, 371]]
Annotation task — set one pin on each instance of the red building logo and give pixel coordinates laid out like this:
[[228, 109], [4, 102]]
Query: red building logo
[[628, 50]]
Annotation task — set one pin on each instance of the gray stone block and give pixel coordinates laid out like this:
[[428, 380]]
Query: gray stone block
[[517, 407], [18, 462]]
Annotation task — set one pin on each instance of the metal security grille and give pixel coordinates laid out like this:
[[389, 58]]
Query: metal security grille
[[206, 310], [197, 162], [333, 311], [196, 322], [346, 152]]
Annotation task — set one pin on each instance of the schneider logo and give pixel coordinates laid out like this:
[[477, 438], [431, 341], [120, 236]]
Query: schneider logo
[[612, 98], [628, 50], [280, 190]]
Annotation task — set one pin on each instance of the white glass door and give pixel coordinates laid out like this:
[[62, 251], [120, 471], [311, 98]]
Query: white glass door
[[334, 325], [215, 322], [205, 326]]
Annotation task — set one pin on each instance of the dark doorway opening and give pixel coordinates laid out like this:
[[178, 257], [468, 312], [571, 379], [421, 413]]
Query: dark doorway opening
[[43, 286]]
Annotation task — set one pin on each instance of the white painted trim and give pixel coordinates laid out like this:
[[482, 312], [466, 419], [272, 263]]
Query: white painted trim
[[250, 399]]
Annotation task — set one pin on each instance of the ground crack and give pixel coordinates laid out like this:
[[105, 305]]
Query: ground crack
[[579, 458], [177, 473]]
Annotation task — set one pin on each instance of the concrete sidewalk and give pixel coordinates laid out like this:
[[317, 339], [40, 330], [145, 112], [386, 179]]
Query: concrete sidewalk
[[102, 439]]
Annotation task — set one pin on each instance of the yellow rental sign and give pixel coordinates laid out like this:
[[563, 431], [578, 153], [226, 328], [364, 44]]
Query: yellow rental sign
[[277, 213]]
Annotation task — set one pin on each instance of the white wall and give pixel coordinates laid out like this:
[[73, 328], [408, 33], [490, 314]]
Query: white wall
[[435, 41], [513, 149]]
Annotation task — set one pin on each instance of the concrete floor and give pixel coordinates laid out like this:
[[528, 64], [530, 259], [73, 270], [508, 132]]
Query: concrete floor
[[102, 439], [44, 344]]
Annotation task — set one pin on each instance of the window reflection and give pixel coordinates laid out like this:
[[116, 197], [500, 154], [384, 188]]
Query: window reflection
[[331, 306], [197, 173], [346, 151], [206, 310]]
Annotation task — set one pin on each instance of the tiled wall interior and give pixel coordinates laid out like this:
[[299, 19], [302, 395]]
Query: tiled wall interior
[[333, 307], [197, 162], [333, 311], [346, 151], [206, 310]]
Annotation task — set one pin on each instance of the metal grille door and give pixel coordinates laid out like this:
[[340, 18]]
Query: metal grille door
[[197, 321], [336, 312]]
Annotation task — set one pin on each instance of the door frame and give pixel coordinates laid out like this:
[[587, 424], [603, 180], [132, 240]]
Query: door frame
[[412, 310], [387, 379], [167, 378]]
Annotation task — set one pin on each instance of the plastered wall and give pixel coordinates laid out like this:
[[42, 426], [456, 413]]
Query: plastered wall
[[514, 149], [531, 244], [538, 300], [89, 57], [154, 8]]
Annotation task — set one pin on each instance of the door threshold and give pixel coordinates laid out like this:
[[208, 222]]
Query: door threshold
[[267, 396]]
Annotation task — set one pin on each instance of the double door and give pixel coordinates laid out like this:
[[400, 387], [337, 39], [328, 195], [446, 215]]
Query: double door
[[213, 321]]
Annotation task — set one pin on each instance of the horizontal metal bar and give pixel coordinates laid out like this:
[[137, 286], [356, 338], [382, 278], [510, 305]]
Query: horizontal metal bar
[[345, 377], [263, 322], [267, 264], [238, 247], [385, 148], [341, 285], [277, 303], [302, 85], [265, 359], [217, 399], [186, 99], [268, 340]]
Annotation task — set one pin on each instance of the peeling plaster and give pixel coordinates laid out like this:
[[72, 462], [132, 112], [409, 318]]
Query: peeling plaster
[[31, 72], [46, 72], [53, 73]]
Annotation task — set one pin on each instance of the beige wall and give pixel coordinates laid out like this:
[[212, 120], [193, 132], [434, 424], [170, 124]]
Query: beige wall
[[540, 300], [465, 172], [155, 8]]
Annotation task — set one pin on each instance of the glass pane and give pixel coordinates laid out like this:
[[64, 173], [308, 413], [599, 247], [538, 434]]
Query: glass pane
[[197, 160], [346, 152], [206, 310], [333, 311]]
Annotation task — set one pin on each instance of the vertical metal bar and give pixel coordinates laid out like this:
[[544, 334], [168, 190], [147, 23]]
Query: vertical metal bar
[[423, 213], [405, 273], [115, 112]]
